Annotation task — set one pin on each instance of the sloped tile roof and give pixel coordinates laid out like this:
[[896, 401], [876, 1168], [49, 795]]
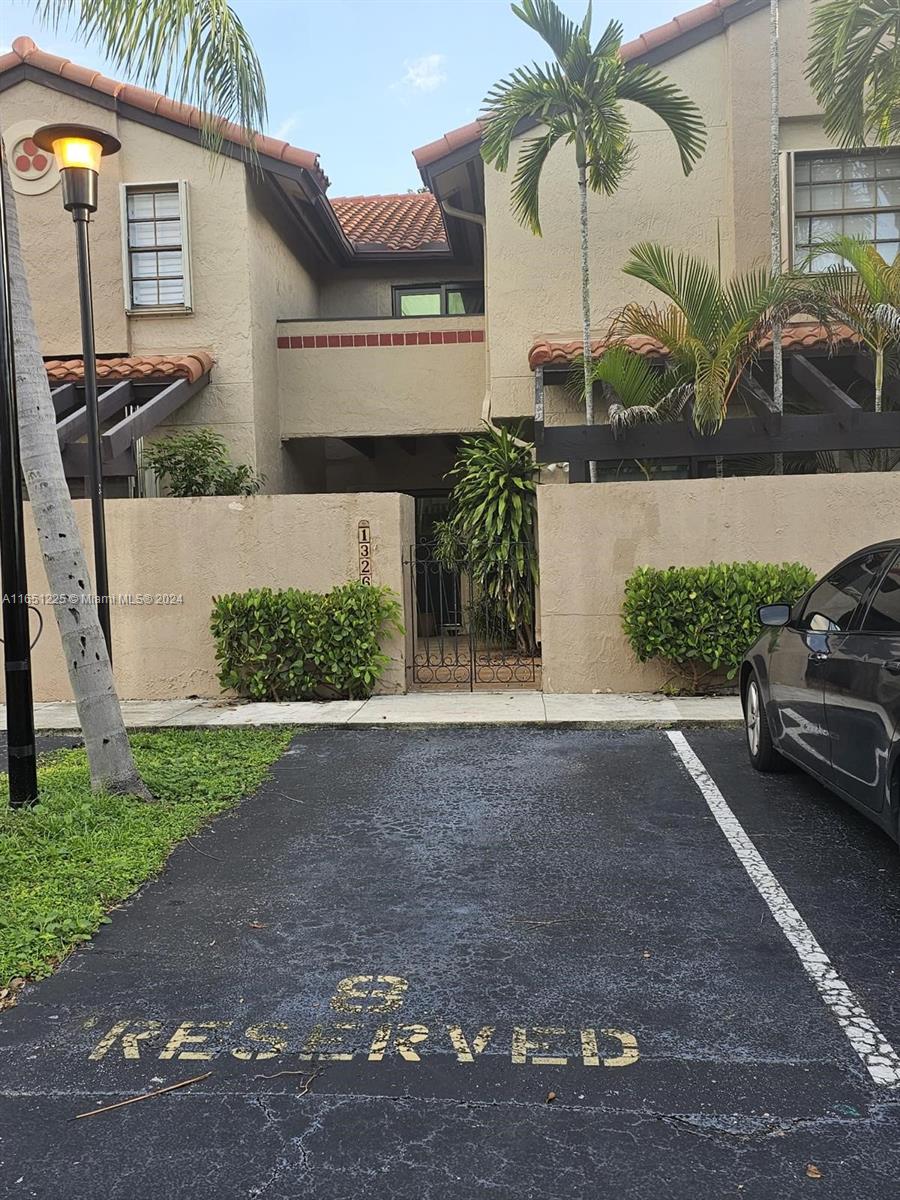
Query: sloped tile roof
[[651, 40], [153, 366], [409, 221], [796, 336], [25, 51]]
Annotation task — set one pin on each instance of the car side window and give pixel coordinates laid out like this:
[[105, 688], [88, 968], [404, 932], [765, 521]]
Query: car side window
[[884, 611], [831, 605]]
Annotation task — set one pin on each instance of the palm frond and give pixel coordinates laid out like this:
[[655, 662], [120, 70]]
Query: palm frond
[[196, 51], [529, 92], [526, 182], [549, 22], [647, 86], [687, 281], [853, 68]]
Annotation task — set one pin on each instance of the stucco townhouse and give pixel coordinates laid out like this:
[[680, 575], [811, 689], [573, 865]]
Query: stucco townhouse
[[345, 344]]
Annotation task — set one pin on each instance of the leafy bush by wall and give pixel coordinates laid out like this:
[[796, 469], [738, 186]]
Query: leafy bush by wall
[[197, 463], [700, 620], [293, 645]]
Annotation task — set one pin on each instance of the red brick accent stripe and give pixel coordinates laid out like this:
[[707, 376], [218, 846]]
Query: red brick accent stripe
[[346, 341]]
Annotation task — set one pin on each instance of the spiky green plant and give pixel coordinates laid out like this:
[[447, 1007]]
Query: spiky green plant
[[493, 519], [578, 99], [710, 329], [861, 291], [854, 69]]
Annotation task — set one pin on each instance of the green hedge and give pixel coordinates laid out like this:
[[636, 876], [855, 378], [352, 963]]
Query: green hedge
[[700, 620], [293, 645]]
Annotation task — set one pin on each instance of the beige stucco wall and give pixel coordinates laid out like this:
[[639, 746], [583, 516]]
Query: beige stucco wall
[[533, 284], [592, 536], [380, 390], [278, 286], [205, 547]]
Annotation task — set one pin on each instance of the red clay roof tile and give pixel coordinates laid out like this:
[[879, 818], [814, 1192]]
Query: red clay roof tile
[[24, 50], [411, 221], [188, 366], [798, 335]]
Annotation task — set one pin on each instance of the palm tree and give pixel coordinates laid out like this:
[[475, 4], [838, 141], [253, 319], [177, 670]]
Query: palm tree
[[638, 391], [775, 198], [854, 69], [203, 54], [578, 99], [710, 329], [865, 297]]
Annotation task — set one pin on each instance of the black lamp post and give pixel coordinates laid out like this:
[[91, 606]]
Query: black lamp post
[[78, 150], [16, 636]]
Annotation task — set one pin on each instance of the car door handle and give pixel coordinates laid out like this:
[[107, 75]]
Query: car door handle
[[892, 665]]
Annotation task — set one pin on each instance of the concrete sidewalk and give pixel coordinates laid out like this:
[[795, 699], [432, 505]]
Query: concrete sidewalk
[[424, 708]]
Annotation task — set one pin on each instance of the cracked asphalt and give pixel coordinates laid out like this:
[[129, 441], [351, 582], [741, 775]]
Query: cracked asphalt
[[441, 912]]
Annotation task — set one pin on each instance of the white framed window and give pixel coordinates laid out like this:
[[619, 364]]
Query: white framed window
[[156, 247], [855, 193]]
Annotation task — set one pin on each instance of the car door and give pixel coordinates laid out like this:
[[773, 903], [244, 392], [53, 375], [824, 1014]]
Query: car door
[[800, 651], [862, 694]]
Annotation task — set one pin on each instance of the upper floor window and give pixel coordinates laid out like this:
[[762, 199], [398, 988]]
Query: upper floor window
[[856, 194], [155, 249], [439, 300]]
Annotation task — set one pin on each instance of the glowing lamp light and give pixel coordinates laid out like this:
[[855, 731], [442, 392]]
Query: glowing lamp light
[[78, 150]]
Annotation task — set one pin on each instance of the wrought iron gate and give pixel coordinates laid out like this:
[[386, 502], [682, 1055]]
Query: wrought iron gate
[[461, 638]]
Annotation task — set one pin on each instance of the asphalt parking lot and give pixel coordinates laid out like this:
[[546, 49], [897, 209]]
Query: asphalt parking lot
[[436, 964]]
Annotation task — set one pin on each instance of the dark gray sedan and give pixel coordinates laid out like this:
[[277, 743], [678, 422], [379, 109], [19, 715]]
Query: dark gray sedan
[[821, 685]]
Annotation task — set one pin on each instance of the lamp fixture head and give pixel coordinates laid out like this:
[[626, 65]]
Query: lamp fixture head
[[78, 150]]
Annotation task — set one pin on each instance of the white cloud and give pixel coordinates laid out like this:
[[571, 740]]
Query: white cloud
[[426, 73], [287, 127]]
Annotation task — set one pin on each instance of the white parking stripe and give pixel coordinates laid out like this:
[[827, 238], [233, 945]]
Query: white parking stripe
[[876, 1052]]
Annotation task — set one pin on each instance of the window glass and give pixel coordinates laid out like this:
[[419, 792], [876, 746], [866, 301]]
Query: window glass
[[155, 247], [439, 300], [463, 300], [420, 304], [855, 194], [884, 612], [831, 605]]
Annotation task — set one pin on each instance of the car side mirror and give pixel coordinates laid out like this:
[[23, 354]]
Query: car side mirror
[[774, 614]]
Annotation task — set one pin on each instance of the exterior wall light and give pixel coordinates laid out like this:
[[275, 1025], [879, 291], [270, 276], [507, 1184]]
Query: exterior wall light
[[79, 150]]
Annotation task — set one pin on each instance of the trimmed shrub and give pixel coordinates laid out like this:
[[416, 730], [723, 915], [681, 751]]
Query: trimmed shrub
[[702, 620], [293, 645]]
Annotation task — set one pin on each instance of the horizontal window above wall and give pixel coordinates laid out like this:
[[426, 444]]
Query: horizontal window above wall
[[438, 300], [155, 249]]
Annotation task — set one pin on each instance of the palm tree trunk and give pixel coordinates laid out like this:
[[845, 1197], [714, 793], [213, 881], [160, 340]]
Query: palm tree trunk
[[775, 210], [586, 308], [879, 378], [90, 674]]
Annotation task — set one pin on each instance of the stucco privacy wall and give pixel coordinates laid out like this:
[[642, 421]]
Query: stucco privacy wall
[[592, 536], [201, 548]]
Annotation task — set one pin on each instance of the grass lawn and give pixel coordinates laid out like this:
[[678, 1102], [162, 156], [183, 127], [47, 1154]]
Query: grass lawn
[[67, 860]]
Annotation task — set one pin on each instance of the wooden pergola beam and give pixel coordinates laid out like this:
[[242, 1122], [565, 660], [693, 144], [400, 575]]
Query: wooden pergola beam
[[73, 427], [824, 390], [138, 423]]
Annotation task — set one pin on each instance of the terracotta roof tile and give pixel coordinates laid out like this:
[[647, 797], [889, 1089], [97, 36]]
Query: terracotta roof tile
[[651, 40], [152, 366], [24, 50], [799, 335], [411, 221]]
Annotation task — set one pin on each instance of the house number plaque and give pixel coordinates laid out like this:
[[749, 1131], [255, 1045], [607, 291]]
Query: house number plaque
[[364, 538]]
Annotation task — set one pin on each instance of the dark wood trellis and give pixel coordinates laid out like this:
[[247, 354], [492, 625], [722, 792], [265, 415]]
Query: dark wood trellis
[[840, 424]]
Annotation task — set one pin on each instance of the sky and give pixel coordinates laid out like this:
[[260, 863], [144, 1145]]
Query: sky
[[364, 82]]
